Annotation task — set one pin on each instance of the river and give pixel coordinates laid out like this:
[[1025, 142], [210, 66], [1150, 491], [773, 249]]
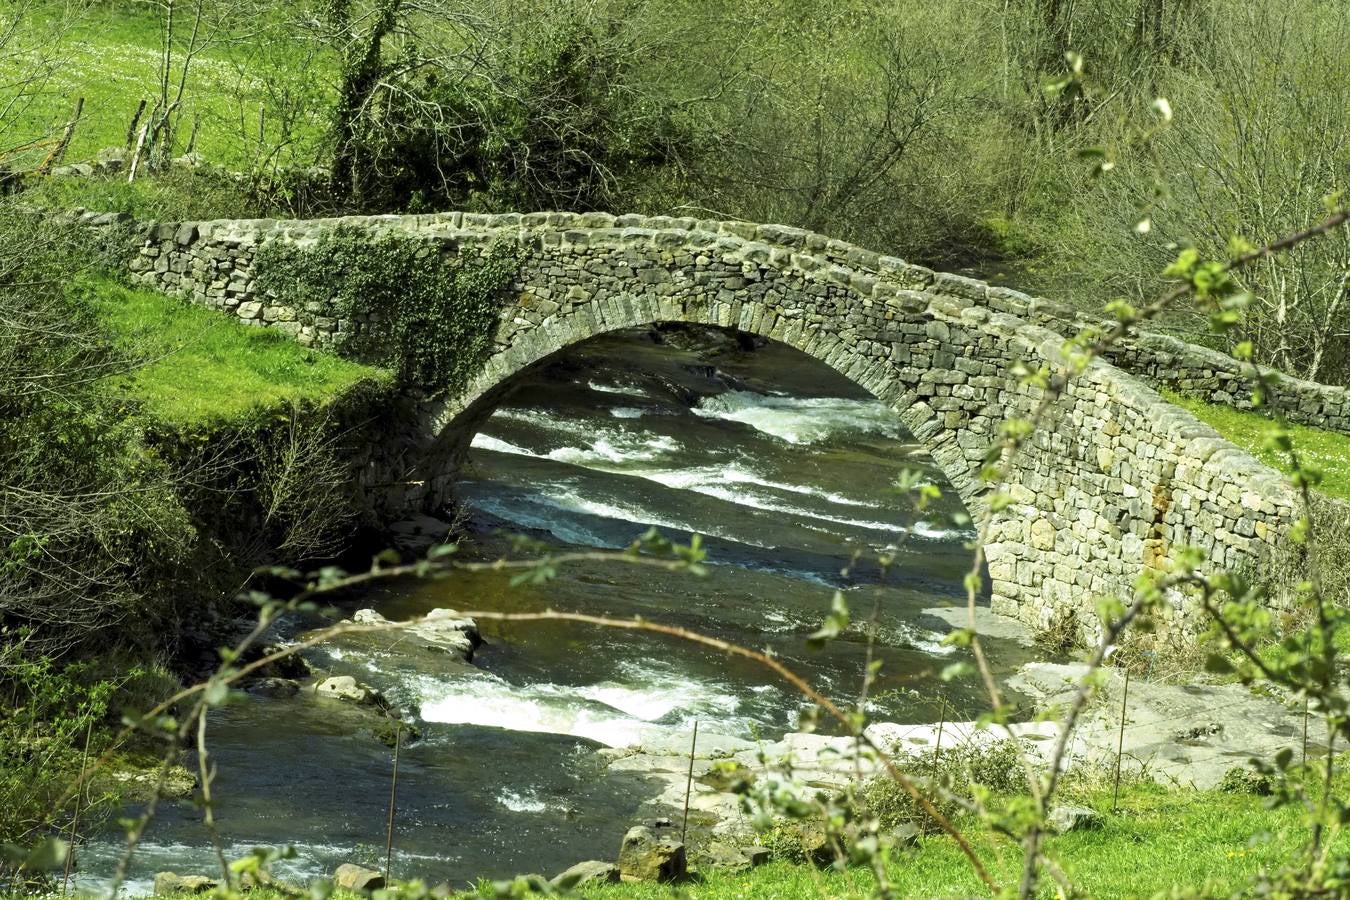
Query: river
[[789, 472]]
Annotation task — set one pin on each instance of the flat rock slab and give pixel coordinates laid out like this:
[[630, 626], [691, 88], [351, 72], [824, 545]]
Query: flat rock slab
[[987, 623], [1189, 734], [816, 761]]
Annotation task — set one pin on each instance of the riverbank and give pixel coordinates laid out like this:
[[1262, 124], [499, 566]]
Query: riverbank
[[1179, 794], [1215, 842]]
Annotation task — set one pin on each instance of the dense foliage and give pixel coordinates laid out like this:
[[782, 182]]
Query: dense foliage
[[430, 321], [95, 546]]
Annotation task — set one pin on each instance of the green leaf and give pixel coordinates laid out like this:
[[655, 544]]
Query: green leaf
[[835, 623], [46, 856], [956, 670], [217, 692], [961, 637]]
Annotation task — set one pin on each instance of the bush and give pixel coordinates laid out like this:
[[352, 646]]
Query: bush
[[963, 770], [550, 114]]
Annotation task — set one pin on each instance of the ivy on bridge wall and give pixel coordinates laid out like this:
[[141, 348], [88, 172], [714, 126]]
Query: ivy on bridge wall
[[403, 302]]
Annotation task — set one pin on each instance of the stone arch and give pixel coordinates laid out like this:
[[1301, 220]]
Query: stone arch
[[941, 363], [457, 422], [1109, 486], [520, 346]]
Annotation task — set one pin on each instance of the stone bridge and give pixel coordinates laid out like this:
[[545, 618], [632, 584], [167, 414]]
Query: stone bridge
[[1110, 485]]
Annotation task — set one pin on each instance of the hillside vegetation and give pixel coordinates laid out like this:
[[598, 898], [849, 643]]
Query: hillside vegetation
[[956, 135]]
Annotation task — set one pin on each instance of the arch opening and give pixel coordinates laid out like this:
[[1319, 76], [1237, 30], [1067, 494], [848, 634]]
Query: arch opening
[[786, 467]]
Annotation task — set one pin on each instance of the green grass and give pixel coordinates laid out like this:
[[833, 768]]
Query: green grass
[[1326, 451], [196, 367], [109, 54], [1160, 839]]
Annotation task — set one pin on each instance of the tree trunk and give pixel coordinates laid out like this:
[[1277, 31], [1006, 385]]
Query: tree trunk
[[362, 67]]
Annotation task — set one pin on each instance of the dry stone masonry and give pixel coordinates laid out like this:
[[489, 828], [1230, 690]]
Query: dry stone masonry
[[1113, 483]]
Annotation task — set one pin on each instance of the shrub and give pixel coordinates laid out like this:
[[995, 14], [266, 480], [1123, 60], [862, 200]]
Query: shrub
[[963, 771]]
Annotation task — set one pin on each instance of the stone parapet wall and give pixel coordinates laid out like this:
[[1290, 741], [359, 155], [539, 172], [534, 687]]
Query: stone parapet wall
[[218, 274], [1113, 483], [1191, 369]]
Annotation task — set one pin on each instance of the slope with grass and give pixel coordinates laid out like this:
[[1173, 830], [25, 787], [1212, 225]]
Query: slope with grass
[[194, 368], [1326, 451], [111, 56]]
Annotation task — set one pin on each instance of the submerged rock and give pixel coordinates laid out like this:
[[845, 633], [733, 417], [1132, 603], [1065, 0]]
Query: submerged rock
[[414, 535], [137, 785], [647, 856], [274, 688], [167, 883], [592, 871], [352, 877]]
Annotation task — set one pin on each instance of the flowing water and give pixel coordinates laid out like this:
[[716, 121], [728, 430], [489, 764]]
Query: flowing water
[[789, 472]]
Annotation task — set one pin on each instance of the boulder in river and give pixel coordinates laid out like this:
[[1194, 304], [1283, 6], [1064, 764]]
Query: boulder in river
[[291, 666], [647, 856], [345, 687], [454, 632], [352, 877], [440, 629], [593, 871], [167, 883]]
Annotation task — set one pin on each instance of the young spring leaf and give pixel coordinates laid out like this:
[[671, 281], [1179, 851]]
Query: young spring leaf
[[835, 623]]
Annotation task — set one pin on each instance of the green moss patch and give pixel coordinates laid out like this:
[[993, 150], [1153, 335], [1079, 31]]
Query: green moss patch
[[428, 314]]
